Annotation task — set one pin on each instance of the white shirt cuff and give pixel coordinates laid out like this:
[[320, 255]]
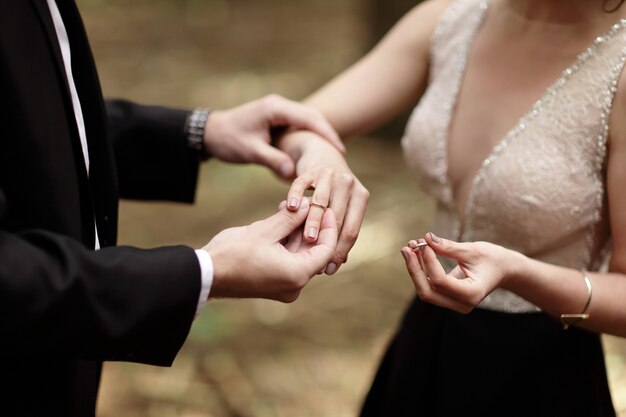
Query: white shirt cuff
[[206, 273]]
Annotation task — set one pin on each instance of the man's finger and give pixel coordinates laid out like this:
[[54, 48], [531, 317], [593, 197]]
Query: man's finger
[[296, 115], [274, 159], [316, 258], [294, 241], [283, 223]]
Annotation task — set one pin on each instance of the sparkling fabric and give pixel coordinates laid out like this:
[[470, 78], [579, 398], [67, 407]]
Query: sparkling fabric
[[542, 189]]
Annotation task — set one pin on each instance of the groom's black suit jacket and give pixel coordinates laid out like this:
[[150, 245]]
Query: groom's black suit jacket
[[63, 307]]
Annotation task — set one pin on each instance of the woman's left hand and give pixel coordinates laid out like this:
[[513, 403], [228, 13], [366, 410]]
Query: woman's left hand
[[324, 169], [482, 267]]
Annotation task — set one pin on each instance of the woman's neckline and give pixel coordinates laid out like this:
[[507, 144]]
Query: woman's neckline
[[463, 215]]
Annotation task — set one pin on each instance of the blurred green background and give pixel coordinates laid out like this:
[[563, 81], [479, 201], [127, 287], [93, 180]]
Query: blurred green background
[[315, 357]]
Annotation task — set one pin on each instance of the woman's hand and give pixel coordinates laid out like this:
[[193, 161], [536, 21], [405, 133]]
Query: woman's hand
[[321, 167], [482, 267]]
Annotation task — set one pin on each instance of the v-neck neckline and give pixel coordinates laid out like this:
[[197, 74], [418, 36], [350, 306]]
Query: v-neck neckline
[[463, 215]]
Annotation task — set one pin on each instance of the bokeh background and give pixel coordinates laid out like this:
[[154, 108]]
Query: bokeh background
[[245, 358]]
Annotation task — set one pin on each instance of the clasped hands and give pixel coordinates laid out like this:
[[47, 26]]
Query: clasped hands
[[274, 258], [269, 258]]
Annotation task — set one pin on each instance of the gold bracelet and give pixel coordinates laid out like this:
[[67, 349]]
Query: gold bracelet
[[571, 319]]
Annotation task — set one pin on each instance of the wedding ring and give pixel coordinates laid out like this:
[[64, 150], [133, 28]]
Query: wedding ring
[[419, 246], [316, 204]]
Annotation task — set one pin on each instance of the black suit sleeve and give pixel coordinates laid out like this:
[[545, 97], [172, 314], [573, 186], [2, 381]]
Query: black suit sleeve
[[151, 153], [58, 298]]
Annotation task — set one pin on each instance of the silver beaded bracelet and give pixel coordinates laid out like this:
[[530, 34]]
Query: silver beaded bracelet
[[196, 123]]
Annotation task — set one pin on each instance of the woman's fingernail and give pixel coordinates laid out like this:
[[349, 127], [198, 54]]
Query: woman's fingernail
[[293, 203], [304, 205], [434, 238], [405, 256], [331, 268], [312, 233]]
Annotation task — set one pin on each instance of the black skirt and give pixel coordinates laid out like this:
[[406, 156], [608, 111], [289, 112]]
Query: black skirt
[[445, 364]]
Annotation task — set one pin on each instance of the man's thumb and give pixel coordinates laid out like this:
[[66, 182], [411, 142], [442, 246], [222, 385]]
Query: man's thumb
[[284, 222], [276, 160]]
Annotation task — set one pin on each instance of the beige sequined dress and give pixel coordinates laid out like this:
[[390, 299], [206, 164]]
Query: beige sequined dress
[[541, 191]]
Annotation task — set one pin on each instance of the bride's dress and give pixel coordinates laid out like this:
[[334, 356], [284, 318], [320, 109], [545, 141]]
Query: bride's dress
[[541, 192]]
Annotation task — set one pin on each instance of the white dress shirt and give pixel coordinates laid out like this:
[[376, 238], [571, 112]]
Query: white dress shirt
[[204, 259]]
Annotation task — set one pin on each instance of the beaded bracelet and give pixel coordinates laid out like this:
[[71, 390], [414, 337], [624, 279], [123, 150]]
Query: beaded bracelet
[[194, 128]]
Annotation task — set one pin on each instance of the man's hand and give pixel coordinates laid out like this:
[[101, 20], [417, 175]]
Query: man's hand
[[269, 258], [243, 134]]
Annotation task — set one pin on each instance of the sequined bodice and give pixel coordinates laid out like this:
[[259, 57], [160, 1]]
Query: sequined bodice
[[541, 191]]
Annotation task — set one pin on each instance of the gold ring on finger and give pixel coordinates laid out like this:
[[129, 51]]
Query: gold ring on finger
[[320, 205]]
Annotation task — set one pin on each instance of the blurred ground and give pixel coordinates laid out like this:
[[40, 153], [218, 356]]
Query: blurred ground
[[256, 358]]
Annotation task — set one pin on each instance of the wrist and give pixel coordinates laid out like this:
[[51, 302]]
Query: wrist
[[206, 278], [228, 259], [195, 131], [517, 266], [297, 143], [218, 275]]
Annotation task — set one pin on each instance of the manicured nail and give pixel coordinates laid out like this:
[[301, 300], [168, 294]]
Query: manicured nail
[[304, 205], [434, 238], [293, 203], [405, 256], [331, 268], [312, 233]]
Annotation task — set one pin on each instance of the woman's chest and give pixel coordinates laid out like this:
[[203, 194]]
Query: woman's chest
[[519, 165], [500, 85], [512, 131]]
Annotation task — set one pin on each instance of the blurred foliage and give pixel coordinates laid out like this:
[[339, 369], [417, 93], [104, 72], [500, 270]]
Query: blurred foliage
[[315, 357]]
